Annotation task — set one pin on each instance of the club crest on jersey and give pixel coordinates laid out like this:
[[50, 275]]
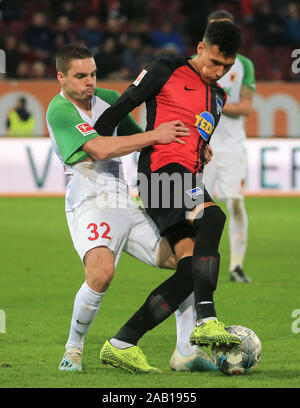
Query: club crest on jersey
[[194, 192], [219, 105], [205, 124], [140, 77], [85, 129]]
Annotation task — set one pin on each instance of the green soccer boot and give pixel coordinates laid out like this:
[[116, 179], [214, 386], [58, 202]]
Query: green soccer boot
[[212, 332], [130, 359]]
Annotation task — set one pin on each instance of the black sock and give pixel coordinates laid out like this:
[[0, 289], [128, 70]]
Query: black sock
[[206, 259], [160, 304]]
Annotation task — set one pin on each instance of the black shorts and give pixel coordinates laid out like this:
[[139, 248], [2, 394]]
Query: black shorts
[[167, 198]]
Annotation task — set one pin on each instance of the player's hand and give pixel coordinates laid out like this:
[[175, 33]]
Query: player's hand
[[208, 154], [170, 132]]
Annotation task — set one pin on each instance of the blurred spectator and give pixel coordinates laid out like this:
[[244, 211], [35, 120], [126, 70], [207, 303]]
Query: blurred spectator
[[135, 32], [134, 10], [135, 56], [143, 30], [114, 9], [11, 10], [108, 60], [247, 11], [64, 8], [91, 33], [13, 55], [167, 36], [195, 21], [115, 29], [38, 70], [269, 26], [23, 70], [100, 8], [38, 38], [172, 9], [292, 23], [20, 122], [64, 34]]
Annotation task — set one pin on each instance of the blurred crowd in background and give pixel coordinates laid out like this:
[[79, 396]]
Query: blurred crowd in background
[[125, 35]]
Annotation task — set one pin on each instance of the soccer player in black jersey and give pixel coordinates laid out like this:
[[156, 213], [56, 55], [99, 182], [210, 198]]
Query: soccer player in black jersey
[[184, 89]]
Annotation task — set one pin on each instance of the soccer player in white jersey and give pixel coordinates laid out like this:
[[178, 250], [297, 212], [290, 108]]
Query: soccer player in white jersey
[[101, 219], [226, 173]]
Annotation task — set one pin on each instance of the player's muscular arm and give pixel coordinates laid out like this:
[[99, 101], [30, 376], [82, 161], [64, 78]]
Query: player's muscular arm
[[107, 147], [243, 107]]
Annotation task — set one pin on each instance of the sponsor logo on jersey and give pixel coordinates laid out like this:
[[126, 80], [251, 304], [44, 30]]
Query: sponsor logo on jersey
[[205, 124], [140, 77], [219, 105], [189, 89], [85, 129], [194, 192]]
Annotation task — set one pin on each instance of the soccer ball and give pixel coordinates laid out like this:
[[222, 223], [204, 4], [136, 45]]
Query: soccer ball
[[239, 358]]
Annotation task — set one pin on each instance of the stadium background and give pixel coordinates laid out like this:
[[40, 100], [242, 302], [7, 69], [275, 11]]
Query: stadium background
[[124, 35]]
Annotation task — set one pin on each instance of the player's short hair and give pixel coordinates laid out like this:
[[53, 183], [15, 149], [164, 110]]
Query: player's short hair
[[220, 15], [71, 52], [226, 35]]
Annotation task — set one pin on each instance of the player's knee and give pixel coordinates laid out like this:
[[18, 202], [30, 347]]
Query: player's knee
[[212, 216], [179, 233], [99, 269], [235, 206], [99, 277], [209, 229]]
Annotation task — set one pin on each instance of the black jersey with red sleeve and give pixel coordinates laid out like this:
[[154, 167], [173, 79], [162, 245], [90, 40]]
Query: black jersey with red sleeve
[[172, 90]]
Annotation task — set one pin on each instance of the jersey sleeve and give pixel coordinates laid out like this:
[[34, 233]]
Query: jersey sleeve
[[146, 86], [249, 73], [127, 126], [69, 130]]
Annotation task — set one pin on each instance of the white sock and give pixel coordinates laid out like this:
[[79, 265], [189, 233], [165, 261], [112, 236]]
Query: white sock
[[120, 344], [86, 306], [185, 320], [238, 231], [207, 319]]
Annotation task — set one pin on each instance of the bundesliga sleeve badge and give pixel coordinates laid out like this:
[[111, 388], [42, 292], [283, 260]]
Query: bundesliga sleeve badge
[[85, 129], [140, 77]]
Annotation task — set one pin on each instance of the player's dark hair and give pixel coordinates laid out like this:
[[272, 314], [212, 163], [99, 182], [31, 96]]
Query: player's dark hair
[[70, 52], [220, 15], [226, 35]]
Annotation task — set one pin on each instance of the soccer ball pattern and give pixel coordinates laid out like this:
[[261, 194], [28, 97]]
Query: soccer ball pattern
[[240, 358]]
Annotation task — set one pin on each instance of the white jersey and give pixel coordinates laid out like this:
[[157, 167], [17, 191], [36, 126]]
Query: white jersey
[[69, 128], [230, 133]]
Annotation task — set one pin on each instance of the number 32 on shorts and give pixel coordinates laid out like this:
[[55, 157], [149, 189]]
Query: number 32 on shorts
[[95, 234]]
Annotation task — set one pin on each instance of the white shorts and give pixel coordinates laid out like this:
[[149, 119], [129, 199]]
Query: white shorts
[[224, 175], [119, 229]]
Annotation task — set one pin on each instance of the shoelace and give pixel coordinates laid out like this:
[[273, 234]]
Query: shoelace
[[216, 323]]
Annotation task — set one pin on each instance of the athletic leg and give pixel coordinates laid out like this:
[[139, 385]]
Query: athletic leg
[[122, 350], [238, 235], [187, 357], [99, 270], [206, 261], [99, 251]]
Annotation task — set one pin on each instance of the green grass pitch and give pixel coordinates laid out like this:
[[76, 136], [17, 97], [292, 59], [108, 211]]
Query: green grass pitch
[[41, 273]]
